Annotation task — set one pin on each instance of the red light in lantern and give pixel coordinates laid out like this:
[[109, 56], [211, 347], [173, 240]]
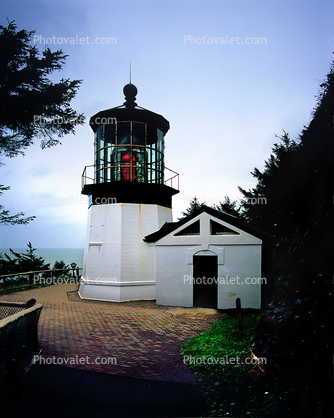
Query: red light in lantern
[[129, 172]]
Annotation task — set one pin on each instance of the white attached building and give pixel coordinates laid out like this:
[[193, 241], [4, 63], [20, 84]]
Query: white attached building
[[209, 259]]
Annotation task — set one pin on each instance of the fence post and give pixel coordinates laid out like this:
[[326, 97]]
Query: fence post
[[238, 304], [30, 276]]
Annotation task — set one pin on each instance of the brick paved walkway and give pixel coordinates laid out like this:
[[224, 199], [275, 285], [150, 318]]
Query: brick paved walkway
[[145, 339]]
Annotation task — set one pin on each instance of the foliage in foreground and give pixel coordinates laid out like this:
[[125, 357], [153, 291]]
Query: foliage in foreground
[[293, 337], [229, 390], [295, 334]]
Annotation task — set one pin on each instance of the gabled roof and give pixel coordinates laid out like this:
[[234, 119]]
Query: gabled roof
[[169, 227]]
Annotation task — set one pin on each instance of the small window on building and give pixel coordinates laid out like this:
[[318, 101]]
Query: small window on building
[[192, 229], [219, 229]]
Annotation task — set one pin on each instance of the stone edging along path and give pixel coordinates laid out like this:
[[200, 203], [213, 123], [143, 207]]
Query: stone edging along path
[[133, 339]]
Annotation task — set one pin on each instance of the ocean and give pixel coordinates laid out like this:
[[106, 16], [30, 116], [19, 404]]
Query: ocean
[[50, 255]]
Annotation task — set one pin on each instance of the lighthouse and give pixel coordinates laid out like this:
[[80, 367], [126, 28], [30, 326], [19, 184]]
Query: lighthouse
[[129, 198]]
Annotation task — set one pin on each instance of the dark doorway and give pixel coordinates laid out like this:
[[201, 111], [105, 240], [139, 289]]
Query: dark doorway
[[205, 291]]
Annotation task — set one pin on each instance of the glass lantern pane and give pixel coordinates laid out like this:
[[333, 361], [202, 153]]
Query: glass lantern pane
[[99, 137], [153, 153], [123, 133], [95, 141], [109, 135], [153, 176], [159, 161], [159, 177], [127, 162], [113, 164], [107, 175], [138, 133], [99, 178], [160, 141], [138, 157], [100, 157], [113, 174], [107, 156], [149, 156], [152, 136]]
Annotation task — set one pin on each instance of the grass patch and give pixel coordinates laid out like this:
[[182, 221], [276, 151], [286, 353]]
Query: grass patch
[[224, 338], [234, 390]]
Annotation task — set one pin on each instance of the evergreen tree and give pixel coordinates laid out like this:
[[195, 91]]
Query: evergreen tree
[[194, 205], [297, 183], [228, 206], [31, 105], [61, 265], [22, 262], [295, 333], [6, 218]]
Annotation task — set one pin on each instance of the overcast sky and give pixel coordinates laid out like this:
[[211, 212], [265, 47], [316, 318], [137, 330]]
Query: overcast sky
[[228, 75]]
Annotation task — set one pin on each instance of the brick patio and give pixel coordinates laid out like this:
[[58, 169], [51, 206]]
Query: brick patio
[[145, 339]]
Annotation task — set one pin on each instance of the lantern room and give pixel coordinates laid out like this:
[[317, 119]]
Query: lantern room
[[129, 151], [129, 155]]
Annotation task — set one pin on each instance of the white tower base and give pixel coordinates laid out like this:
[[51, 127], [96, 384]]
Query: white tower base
[[118, 264]]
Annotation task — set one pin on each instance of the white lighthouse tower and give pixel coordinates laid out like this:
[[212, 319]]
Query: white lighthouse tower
[[128, 200]]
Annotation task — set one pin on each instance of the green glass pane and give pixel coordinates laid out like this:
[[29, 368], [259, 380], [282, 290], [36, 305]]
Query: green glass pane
[[160, 141], [99, 137], [152, 135], [107, 156], [123, 133], [99, 178], [109, 136], [159, 161], [138, 133]]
